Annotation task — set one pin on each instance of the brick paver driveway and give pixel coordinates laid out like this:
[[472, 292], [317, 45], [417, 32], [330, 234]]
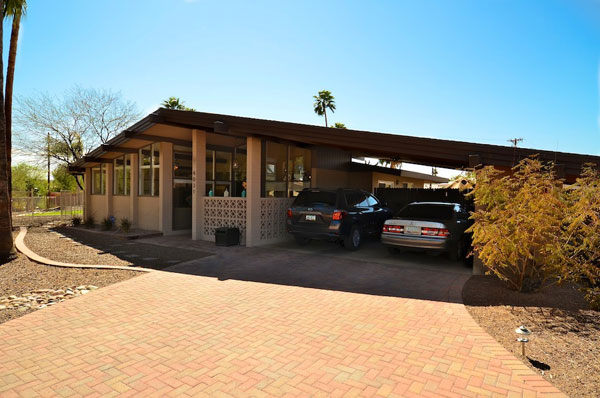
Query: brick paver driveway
[[217, 328]]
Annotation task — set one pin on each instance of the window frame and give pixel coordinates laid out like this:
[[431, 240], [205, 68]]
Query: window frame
[[124, 168], [102, 173], [154, 168], [288, 178]]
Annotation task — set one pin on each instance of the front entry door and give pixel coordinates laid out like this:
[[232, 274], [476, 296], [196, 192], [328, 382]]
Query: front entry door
[[182, 188]]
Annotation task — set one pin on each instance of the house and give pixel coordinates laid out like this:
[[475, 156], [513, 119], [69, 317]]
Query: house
[[181, 172]]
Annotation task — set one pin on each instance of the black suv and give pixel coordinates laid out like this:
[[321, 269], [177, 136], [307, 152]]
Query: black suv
[[345, 215]]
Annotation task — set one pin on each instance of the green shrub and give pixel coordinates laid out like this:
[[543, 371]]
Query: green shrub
[[125, 225], [89, 222], [108, 223], [76, 221]]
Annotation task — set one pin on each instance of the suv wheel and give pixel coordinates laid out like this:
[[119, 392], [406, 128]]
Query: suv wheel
[[353, 240]]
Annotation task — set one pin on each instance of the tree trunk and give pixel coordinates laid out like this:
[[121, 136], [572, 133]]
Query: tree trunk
[[78, 183], [6, 239], [325, 113], [10, 77]]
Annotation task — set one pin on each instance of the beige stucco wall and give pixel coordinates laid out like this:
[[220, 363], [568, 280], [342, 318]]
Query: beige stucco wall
[[366, 180], [97, 207], [148, 210], [121, 207], [397, 180]]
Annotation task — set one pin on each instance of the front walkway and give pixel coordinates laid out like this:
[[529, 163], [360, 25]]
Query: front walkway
[[176, 334]]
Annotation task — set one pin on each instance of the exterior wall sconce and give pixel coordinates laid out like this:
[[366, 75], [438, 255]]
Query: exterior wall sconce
[[522, 332]]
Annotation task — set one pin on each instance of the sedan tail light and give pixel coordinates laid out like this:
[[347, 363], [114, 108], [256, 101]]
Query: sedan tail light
[[434, 231], [289, 213], [338, 215], [398, 229]]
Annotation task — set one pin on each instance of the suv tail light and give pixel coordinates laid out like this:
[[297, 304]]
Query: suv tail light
[[338, 215], [289, 213], [398, 229], [435, 231]]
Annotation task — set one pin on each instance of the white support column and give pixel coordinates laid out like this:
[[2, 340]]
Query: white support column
[[198, 182], [133, 190], [165, 209], [253, 191], [87, 199], [109, 189]]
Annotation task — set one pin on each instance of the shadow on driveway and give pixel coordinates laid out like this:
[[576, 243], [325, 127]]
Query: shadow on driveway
[[371, 270]]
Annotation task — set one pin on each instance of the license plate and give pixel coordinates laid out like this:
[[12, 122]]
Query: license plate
[[413, 230], [310, 217]]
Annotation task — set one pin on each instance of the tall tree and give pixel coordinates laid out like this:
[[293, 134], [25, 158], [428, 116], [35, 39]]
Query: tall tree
[[323, 101], [14, 9], [175, 103], [6, 238], [77, 123]]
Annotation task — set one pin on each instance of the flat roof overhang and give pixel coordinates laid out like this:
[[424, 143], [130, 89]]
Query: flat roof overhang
[[427, 151]]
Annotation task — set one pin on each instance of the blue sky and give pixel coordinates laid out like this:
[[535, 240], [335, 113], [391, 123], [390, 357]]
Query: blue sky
[[482, 71]]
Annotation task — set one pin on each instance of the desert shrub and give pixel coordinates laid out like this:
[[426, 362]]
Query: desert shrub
[[76, 221], [89, 222], [125, 225], [580, 237], [592, 296], [529, 227], [518, 221], [108, 223]]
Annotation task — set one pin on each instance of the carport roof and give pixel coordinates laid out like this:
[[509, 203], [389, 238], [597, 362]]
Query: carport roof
[[428, 151]]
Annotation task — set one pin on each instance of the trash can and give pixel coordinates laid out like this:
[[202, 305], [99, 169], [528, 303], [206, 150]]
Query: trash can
[[226, 236]]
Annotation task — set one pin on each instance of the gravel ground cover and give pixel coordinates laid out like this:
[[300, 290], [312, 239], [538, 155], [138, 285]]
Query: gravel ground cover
[[565, 343], [22, 276], [83, 247]]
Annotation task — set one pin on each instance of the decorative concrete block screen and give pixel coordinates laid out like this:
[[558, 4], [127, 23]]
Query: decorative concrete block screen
[[224, 212], [273, 214]]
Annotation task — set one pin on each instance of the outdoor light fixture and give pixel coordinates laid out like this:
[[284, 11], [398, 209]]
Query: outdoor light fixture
[[522, 332], [236, 164]]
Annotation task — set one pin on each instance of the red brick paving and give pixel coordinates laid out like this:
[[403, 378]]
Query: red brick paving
[[169, 334]]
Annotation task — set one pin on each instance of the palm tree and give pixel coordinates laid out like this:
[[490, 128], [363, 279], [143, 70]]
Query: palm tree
[[6, 240], [323, 101], [15, 9], [175, 103]]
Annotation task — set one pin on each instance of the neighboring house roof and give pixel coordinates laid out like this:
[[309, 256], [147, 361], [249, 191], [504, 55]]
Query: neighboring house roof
[[429, 151], [396, 172]]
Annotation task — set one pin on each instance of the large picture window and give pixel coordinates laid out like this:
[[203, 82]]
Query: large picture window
[[286, 170], [98, 180], [122, 175], [225, 171], [149, 174]]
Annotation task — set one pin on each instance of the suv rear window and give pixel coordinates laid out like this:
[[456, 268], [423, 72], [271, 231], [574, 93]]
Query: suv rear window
[[311, 198], [437, 212]]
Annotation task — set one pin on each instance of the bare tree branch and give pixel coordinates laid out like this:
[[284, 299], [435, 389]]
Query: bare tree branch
[[77, 122]]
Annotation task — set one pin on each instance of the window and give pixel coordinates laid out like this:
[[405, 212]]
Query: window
[[122, 175], [225, 171], [286, 170], [356, 199], [149, 170], [98, 180]]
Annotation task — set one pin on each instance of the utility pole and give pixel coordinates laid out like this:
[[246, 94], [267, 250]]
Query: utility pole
[[515, 142]]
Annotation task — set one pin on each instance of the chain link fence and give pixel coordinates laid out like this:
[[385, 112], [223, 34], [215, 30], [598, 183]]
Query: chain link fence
[[39, 210]]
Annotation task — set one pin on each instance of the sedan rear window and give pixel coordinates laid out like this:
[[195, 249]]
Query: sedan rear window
[[429, 211], [311, 198]]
